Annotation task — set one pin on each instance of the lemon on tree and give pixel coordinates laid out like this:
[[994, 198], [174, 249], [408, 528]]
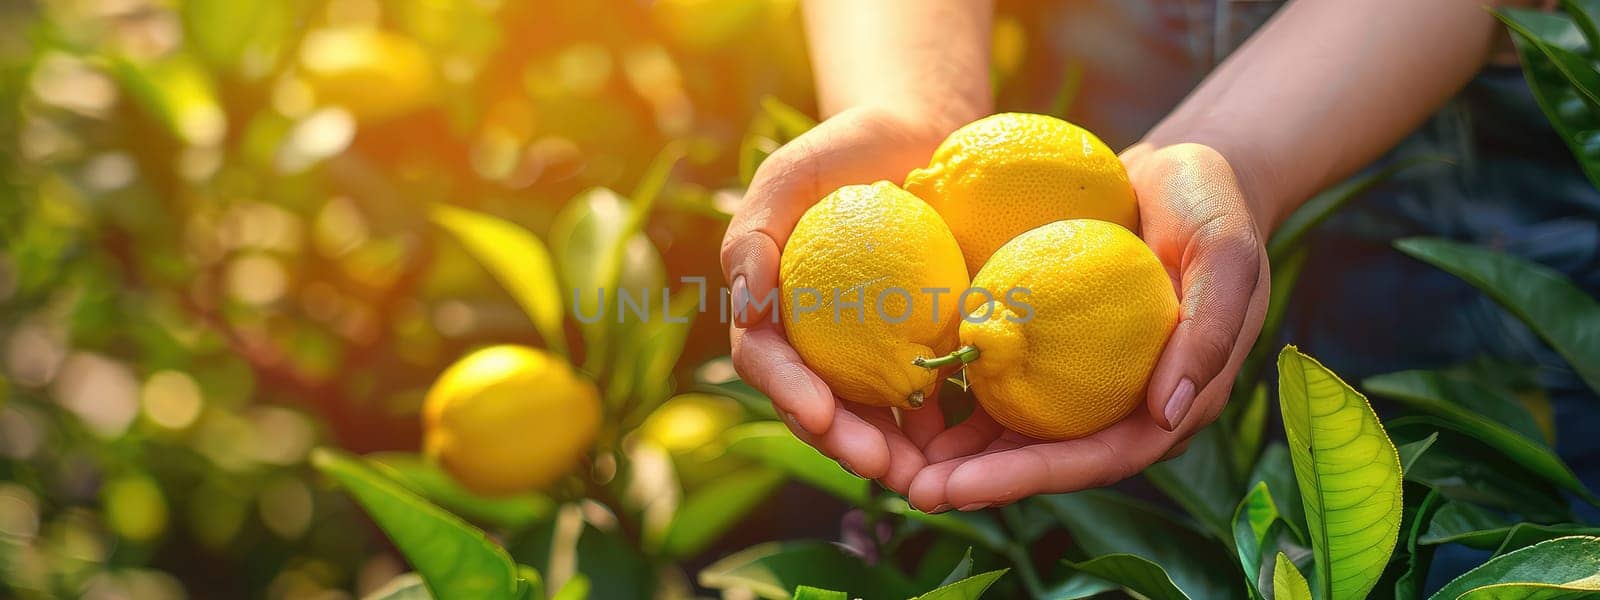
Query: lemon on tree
[[852, 279], [1070, 351], [688, 427], [508, 419], [1001, 175]]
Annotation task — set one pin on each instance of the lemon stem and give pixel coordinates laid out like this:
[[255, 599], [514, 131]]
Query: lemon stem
[[962, 355]]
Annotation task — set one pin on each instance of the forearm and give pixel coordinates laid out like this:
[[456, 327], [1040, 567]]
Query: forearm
[[926, 57], [1325, 88]]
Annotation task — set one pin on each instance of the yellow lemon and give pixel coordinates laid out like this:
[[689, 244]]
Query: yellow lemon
[[687, 422], [372, 73], [509, 419], [853, 285], [1005, 174], [1081, 311]]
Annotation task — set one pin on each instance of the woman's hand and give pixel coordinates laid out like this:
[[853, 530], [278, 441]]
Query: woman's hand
[[1193, 214], [858, 145]]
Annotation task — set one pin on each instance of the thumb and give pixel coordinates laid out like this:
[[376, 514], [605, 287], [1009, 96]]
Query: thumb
[[1223, 299], [850, 148]]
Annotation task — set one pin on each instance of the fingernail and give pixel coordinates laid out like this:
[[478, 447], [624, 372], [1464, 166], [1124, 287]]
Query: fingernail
[[739, 292], [939, 509], [975, 506], [1178, 404], [846, 466]]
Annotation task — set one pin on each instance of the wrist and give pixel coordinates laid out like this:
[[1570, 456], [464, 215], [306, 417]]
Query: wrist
[[1260, 182], [932, 113]]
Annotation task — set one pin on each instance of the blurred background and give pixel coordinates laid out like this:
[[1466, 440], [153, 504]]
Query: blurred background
[[215, 251]]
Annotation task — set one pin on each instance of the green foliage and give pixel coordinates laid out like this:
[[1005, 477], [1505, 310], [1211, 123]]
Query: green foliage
[[1566, 86], [1563, 315], [712, 510], [1477, 412], [455, 559], [215, 239], [1103, 522], [1348, 472], [518, 260], [1559, 568], [772, 444], [772, 569], [1287, 583]]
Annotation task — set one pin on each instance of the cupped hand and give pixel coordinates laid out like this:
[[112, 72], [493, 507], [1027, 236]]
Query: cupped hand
[[1193, 214], [858, 145]]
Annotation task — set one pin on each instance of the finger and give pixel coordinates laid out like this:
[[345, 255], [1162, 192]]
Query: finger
[[765, 360], [967, 437], [905, 458], [922, 425], [926, 492], [1057, 467], [853, 147], [1224, 271], [858, 446], [784, 187]]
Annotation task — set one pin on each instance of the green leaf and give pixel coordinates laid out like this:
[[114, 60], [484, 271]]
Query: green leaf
[[651, 360], [611, 563], [970, 588], [1348, 473], [1135, 574], [432, 483], [1465, 469], [582, 235], [751, 399], [711, 511], [576, 588], [791, 123], [962, 570], [1249, 430], [1287, 582], [1541, 570], [976, 527], [1525, 26], [1574, 116], [530, 584], [1445, 393], [1408, 585], [753, 151], [1276, 469], [518, 260], [771, 443], [770, 570], [933, 568], [405, 586], [1563, 315], [1103, 522], [1476, 527], [806, 592], [1583, 14], [456, 559], [1080, 585], [1253, 521], [1201, 481], [179, 93], [1410, 452], [225, 31], [1290, 235], [1510, 430]]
